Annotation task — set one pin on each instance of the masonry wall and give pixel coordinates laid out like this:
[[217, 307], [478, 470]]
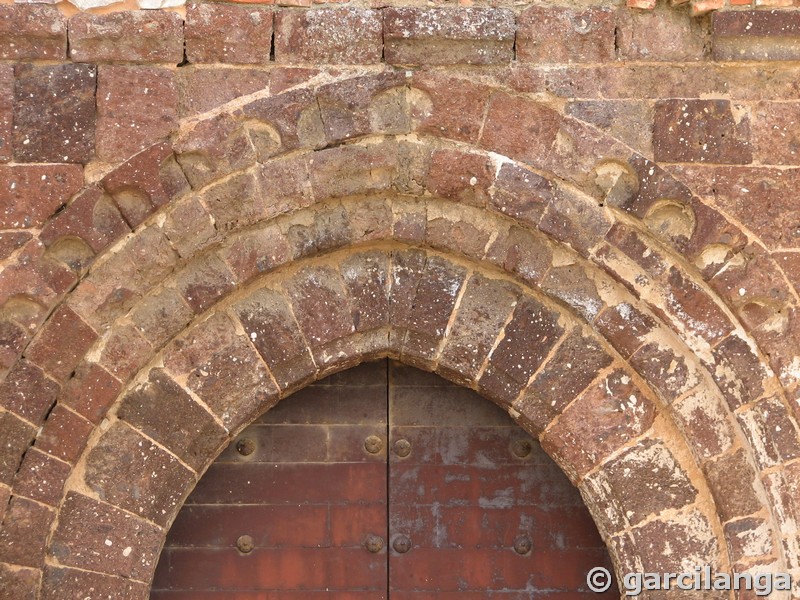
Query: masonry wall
[[589, 214]]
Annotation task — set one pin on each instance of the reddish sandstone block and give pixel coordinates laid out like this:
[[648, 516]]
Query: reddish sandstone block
[[574, 365], [85, 528], [625, 327], [30, 194], [92, 216], [335, 35], [664, 34], [145, 182], [28, 392], [775, 133], [224, 33], [574, 285], [321, 305], [202, 89], [293, 116], [559, 35], [137, 36], [665, 371], [235, 202], [523, 253], [731, 478], [65, 132], [519, 128], [268, 321], [700, 131], [160, 316], [13, 339], [127, 470], [189, 227], [576, 220], [6, 111], [738, 371], [41, 477], [690, 534], [256, 252], [136, 106], [444, 36], [756, 35], [371, 219], [366, 276], [20, 583], [161, 409], [351, 169], [690, 304], [61, 343], [124, 351], [460, 176], [64, 434], [604, 417], [72, 583], [17, 436], [771, 431], [485, 307], [521, 193], [23, 536], [32, 32], [90, 392], [706, 421], [204, 281]]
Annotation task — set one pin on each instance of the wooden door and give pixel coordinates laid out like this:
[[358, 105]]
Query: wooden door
[[382, 481]]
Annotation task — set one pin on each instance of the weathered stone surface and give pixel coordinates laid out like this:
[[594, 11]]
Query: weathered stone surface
[[731, 478], [127, 470], [98, 537], [521, 193], [28, 392], [460, 176], [201, 89], [257, 252], [775, 132], [738, 371], [162, 410], [521, 252], [19, 583], [18, 435], [560, 35], [23, 535], [607, 415], [576, 220], [334, 35], [161, 316], [224, 33], [664, 34], [292, 119], [136, 36], [235, 202], [756, 35], [73, 583], [447, 36], [629, 121], [771, 431], [189, 227], [136, 106], [625, 327], [65, 132], [268, 321], [204, 281], [667, 545], [49, 349], [64, 434], [41, 477], [30, 194], [701, 131], [6, 112], [366, 276], [670, 374], [485, 307], [704, 418], [31, 32]]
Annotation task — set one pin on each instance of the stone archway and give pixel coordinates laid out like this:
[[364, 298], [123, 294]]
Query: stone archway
[[437, 236]]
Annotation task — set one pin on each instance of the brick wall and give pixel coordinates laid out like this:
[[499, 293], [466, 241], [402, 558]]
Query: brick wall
[[588, 215]]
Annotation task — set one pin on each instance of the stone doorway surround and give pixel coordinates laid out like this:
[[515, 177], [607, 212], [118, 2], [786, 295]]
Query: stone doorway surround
[[592, 227]]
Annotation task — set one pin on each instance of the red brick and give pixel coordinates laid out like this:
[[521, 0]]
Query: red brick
[[90, 392], [204, 281], [700, 131], [28, 392], [92, 216], [294, 115], [203, 89], [519, 128], [17, 437], [85, 528], [131, 472], [61, 343], [569, 371], [362, 105], [608, 415], [268, 320], [146, 182], [451, 107], [65, 132], [6, 112], [164, 411], [30, 194], [328, 35], [663, 34], [559, 35], [447, 36], [31, 32], [19, 583], [23, 535], [755, 35], [136, 106], [223, 33], [137, 36], [485, 306], [41, 477], [74, 583], [64, 434]]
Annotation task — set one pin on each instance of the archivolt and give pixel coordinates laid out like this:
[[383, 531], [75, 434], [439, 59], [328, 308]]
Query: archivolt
[[440, 252]]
